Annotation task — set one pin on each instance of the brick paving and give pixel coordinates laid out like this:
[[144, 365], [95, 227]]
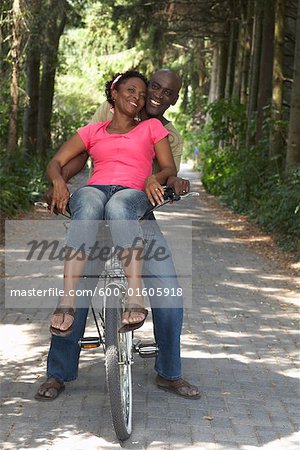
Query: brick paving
[[240, 344]]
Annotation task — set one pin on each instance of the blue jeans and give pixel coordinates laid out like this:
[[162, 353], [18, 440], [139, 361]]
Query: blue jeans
[[63, 356], [93, 203]]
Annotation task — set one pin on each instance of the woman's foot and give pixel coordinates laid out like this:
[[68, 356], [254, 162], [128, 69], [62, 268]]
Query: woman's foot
[[133, 317], [62, 320]]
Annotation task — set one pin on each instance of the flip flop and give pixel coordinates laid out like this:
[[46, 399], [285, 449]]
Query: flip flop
[[134, 307], [177, 387], [63, 310], [53, 386]]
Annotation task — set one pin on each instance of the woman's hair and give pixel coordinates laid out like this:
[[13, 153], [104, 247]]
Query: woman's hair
[[118, 79]]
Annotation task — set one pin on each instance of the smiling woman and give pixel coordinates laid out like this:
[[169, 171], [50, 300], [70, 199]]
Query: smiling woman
[[120, 188]]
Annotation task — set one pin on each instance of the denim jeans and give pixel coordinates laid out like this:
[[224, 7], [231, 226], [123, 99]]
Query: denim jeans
[[63, 357], [93, 203]]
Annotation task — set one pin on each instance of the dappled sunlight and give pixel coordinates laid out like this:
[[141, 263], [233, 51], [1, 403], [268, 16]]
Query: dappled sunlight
[[242, 269]]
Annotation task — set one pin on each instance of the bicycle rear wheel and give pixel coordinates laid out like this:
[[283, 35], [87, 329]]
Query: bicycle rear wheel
[[118, 361]]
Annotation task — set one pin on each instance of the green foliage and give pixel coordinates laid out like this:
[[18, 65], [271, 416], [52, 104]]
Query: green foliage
[[278, 207], [242, 176], [22, 181]]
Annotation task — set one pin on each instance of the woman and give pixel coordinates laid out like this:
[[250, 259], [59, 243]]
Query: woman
[[120, 188]]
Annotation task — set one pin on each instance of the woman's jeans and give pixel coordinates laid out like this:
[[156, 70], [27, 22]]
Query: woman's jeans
[[167, 311], [93, 203]]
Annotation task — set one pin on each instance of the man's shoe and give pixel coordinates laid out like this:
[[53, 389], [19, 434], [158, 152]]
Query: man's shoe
[[49, 390], [179, 387]]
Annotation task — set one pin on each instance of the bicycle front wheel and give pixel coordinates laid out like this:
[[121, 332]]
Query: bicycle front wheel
[[118, 361]]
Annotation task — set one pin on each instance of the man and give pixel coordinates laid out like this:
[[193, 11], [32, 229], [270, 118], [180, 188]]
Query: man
[[63, 357]]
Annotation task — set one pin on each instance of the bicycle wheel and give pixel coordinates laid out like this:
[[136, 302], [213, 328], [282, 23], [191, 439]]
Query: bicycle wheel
[[118, 361]]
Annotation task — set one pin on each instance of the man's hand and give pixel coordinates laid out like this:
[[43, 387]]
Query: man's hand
[[48, 195], [154, 190], [179, 185]]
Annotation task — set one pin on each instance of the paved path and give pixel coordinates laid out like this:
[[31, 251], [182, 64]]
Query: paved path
[[239, 344]]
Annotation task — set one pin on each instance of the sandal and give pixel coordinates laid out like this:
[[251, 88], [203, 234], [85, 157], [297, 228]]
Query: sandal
[[179, 387], [134, 307], [63, 311], [52, 387]]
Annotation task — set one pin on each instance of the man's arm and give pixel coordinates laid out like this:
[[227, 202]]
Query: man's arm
[[180, 185]]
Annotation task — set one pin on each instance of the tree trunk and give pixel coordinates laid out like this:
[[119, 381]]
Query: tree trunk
[[16, 51], [239, 55], [32, 79], [214, 75], [221, 70], [254, 68], [246, 56], [266, 67], [231, 59], [293, 149], [276, 140], [54, 31]]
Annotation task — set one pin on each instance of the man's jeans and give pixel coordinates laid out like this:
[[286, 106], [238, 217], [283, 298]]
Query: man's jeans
[[167, 314]]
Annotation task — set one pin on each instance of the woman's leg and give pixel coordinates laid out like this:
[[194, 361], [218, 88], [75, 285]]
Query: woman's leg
[[123, 211], [87, 208]]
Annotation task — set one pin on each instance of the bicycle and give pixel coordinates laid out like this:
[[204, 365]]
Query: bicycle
[[119, 348]]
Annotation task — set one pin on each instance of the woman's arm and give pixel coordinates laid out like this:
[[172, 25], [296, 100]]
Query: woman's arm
[[71, 169], [153, 184], [69, 150]]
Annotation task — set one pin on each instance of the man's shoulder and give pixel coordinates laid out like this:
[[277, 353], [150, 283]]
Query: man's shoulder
[[103, 113], [173, 132]]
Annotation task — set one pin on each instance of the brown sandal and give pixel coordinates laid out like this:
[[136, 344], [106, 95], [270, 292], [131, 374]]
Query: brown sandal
[[178, 387], [52, 387], [63, 310], [134, 307]]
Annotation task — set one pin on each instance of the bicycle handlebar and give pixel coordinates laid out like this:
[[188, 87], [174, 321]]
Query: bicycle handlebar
[[169, 196]]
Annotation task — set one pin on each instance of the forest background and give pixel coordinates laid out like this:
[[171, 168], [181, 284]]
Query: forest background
[[239, 108]]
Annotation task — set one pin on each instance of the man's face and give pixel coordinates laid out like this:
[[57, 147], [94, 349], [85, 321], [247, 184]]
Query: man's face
[[162, 92]]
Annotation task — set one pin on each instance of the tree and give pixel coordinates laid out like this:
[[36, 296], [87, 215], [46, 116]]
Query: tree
[[16, 53], [53, 31], [293, 149], [254, 67], [266, 67], [33, 57], [276, 138]]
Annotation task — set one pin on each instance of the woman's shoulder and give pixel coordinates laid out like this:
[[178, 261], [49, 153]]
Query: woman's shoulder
[[152, 123], [94, 127]]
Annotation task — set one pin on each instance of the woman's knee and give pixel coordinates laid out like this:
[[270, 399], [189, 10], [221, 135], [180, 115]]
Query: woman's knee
[[87, 203], [128, 204]]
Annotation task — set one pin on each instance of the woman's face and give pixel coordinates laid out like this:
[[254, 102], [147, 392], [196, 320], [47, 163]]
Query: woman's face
[[130, 97]]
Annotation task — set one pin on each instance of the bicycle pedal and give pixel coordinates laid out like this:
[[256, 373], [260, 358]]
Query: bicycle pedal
[[146, 350], [89, 342]]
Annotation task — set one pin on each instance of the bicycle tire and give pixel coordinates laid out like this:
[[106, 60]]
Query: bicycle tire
[[118, 361]]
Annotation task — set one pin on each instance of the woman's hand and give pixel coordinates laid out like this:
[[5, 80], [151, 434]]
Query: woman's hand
[[60, 195], [154, 191]]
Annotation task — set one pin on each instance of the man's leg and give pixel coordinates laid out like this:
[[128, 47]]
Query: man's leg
[[167, 312]]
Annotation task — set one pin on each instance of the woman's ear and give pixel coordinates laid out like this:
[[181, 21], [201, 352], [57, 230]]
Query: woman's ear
[[114, 93]]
